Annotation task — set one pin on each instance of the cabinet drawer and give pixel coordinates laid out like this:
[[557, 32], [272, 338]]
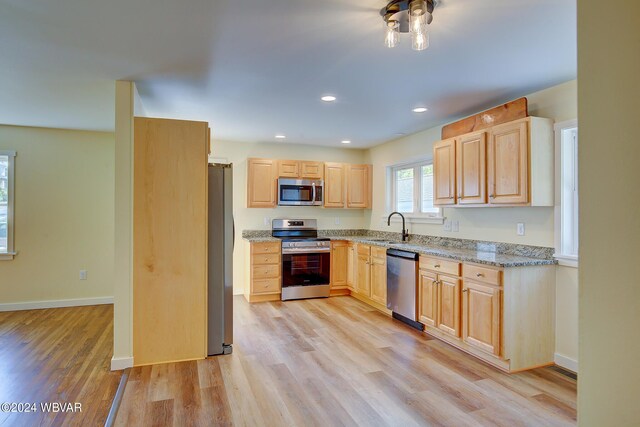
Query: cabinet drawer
[[364, 249], [265, 248], [259, 259], [266, 286], [440, 265], [482, 274], [266, 271], [379, 252]]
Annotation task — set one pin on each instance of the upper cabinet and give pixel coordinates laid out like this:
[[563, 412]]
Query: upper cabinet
[[300, 169], [510, 164], [345, 185], [334, 185], [261, 183], [444, 172], [359, 186]]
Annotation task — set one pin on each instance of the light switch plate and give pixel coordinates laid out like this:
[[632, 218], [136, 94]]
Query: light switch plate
[[455, 226], [447, 225], [520, 229]]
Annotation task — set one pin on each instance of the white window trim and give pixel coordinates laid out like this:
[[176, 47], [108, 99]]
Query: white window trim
[[563, 259], [10, 254], [411, 218]]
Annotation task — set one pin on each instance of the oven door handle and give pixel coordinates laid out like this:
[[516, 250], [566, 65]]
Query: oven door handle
[[305, 251]]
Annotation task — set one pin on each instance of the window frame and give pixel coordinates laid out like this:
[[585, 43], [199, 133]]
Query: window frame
[[564, 259], [10, 253], [416, 216]]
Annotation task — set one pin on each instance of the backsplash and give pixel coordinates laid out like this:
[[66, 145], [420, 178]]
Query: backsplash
[[424, 240]]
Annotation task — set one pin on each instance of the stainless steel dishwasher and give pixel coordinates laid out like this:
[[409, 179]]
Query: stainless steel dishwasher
[[402, 286]]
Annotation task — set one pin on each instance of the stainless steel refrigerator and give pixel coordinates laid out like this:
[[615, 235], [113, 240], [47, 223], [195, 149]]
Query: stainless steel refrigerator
[[221, 237]]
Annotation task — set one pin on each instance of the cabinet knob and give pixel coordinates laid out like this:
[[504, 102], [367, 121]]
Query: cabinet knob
[[491, 196], [465, 290], [436, 266], [479, 275]]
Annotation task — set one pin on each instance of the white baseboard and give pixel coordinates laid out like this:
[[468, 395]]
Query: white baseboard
[[120, 363], [36, 305], [566, 362]]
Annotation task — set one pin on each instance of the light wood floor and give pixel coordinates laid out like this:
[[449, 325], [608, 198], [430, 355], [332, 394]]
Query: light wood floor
[[336, 361], [57, 355]]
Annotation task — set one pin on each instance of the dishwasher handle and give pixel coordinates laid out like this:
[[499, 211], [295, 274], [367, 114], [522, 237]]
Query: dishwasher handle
[[396, 253]]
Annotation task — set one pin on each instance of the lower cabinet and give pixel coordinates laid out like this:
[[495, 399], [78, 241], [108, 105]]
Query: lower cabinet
[[264, 272], [379, 280], [504, 316], [351, 266], [339, 260], [481, 320], [363, 275], [370, 281]]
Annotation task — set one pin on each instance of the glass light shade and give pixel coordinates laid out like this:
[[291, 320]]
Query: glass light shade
[[392, 33], [420, 41], [418, 16]]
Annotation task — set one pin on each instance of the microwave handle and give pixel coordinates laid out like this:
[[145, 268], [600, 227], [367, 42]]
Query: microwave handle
[[313, 197]]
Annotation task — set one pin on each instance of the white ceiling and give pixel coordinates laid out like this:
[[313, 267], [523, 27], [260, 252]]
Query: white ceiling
[[254, 68]]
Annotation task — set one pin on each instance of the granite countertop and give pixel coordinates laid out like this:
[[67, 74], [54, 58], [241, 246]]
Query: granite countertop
[[460, 254]]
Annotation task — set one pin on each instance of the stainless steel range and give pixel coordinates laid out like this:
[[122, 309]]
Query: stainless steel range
[[306, 259]]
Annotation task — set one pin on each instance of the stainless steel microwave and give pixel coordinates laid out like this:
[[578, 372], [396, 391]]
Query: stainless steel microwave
[[300, 192]]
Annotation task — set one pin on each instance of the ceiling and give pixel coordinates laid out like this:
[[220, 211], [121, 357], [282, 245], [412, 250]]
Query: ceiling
[[257, 68]]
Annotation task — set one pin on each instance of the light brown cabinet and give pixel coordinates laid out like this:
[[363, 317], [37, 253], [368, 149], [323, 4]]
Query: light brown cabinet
[[170, 240], [264, 271], [427, 298], [482, 316], [339, 263], [379, 279], [371, 274], [449, 305], [311, 170], [334, 185], [444, 172], [300, 169], [359, 186], [363, 275], [439, 295], [471, 168], [288, 168], [351, 265], [261, 183], [506, 165]]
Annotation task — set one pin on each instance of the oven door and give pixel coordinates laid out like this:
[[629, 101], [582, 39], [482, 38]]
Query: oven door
[[299, 192], [306, 269]]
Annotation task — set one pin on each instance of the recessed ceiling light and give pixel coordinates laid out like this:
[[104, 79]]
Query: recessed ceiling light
[[419, 110], [346, 141], [328, 98], [280, 136]]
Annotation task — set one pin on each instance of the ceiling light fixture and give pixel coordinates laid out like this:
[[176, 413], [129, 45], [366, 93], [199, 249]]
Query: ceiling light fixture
[[419, 110], [408, 16], [346, 141], [280, 136], [328, 98]]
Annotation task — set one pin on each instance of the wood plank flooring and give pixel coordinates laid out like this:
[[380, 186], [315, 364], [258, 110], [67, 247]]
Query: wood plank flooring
[[57, 355], [332, 362]]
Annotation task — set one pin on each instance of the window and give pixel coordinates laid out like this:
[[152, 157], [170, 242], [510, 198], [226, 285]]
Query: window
[[412, 190], [567, 192], [6, 204]]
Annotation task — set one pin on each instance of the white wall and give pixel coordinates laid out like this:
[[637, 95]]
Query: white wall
[[254, 219], [609, 151], [63, 217]]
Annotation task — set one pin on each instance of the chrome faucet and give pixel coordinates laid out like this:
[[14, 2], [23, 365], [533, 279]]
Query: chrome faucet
[[405, 233]]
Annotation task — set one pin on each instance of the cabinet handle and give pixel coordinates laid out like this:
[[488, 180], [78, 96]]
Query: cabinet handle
[[465, 290], [491, 196], [436, 266], [479, 275]]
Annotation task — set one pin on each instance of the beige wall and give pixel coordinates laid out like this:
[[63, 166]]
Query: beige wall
[[609, 152], [497, 224], [254, 219], [64, 215]]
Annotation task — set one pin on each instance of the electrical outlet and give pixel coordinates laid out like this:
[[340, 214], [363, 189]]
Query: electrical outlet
[[83, 274], [336, 220], [447, 225], [520, 229], [455, 226], [267, 221]]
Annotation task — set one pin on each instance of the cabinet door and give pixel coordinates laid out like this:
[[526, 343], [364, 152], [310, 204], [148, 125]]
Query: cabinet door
[[379, 280], [444, 172], [471, 167], [363, 276], [428, 298], [481, 316], [351, 265], [312, 170], [508, 164], [359, 186], [261, 183], [288, 168], [449, 305], [334, 185], [339, 253]]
